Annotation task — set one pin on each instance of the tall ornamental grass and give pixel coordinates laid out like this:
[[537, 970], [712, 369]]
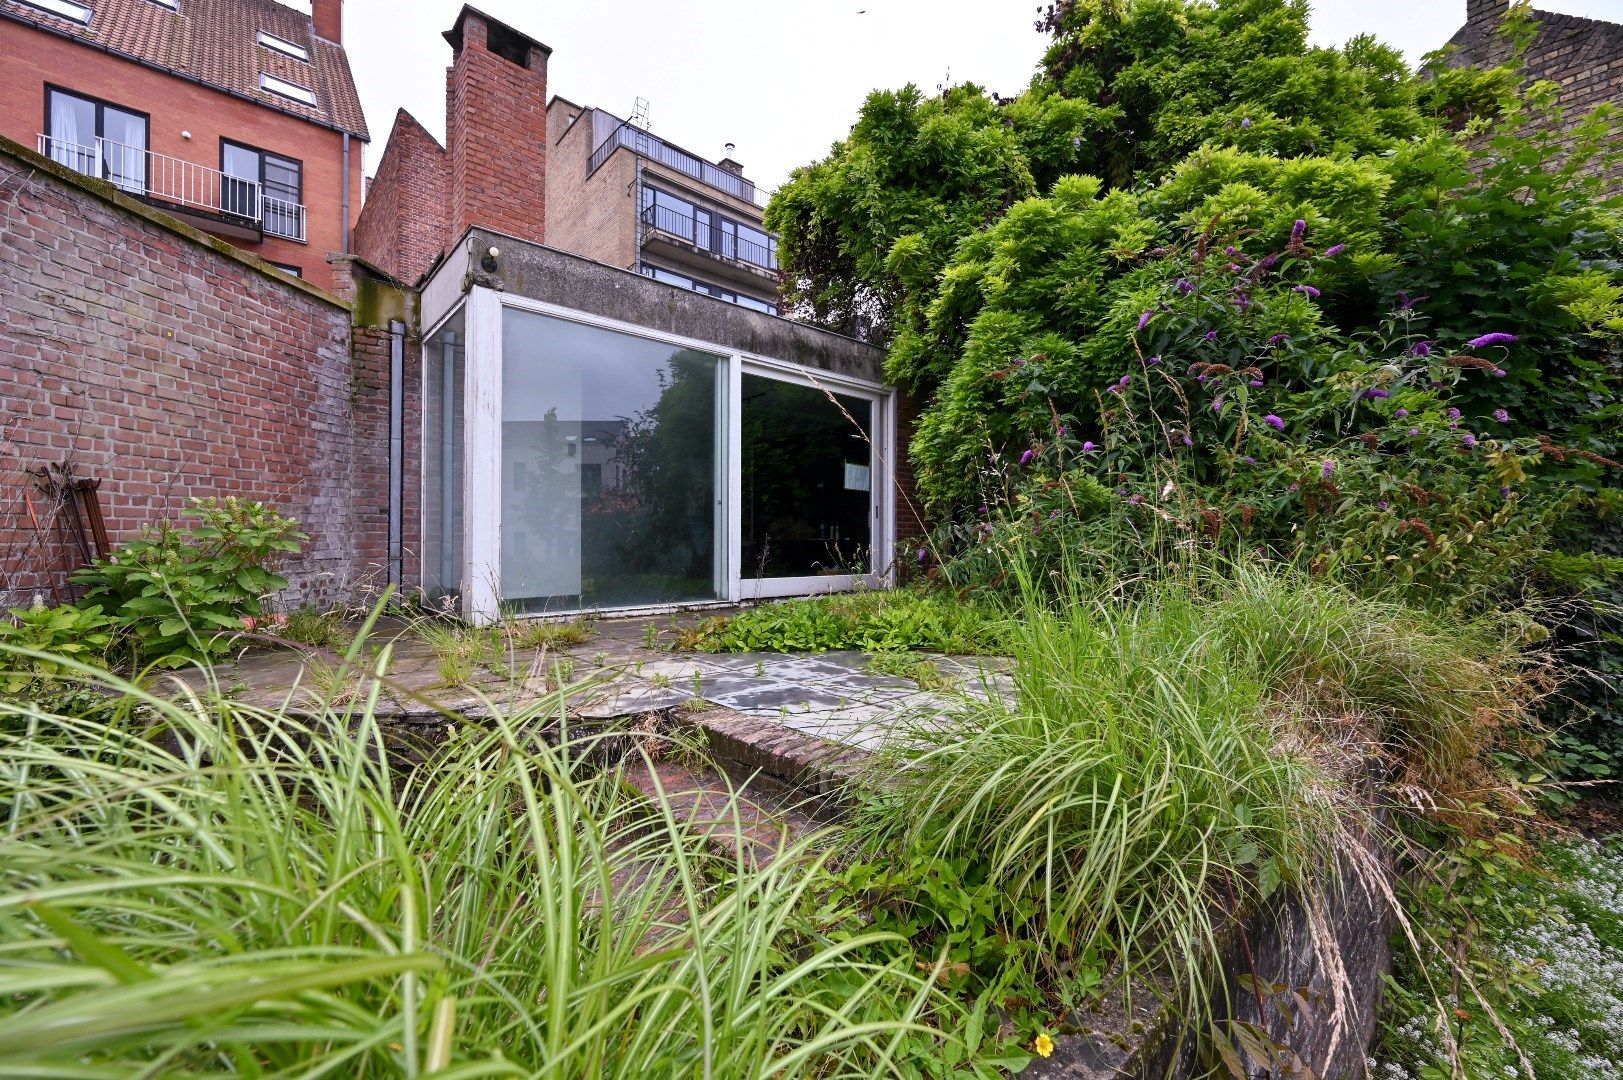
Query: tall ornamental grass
[[1170, 756], [191, 886]]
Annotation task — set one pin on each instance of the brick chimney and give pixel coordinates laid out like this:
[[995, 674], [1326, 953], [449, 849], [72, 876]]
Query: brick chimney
[[496, 129], [328, 16], [1488, 13]]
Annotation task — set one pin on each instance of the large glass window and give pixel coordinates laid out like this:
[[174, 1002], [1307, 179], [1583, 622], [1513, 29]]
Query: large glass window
[[265, 187], [610, 467], [98, 139], [807, 458], [443, 358]]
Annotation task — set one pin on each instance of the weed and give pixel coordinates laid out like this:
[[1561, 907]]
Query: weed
[[874, 620], [316, 628]]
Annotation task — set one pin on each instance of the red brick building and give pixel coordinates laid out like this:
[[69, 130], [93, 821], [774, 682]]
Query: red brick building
[[238, 116]]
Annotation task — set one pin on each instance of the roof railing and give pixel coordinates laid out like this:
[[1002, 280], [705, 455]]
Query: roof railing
[[656, 149]]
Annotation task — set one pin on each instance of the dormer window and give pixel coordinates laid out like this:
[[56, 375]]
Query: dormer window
[[172, 5], [283, 46], [290, 90], [67, 9]]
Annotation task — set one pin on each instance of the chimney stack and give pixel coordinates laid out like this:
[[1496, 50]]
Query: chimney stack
[[328, 15], [496, 129], [1486, 13]]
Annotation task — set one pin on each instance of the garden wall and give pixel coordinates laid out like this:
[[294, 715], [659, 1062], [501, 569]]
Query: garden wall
[[167, 364]]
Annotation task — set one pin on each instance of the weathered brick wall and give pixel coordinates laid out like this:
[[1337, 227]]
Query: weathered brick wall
[[1584, 57], [495, 131], [169, 365], [404, 225]]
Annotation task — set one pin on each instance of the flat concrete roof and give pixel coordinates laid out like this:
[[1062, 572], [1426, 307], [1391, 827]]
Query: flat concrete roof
[[556, 277]]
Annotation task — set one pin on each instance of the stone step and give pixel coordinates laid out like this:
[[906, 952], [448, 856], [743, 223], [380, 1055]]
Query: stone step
[[748, 821], [800, 769]]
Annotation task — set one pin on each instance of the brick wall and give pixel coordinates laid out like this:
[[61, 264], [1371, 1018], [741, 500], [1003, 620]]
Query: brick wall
[[495, 130], [1584, 57], [169, 365], [404, 225], [594, 216]]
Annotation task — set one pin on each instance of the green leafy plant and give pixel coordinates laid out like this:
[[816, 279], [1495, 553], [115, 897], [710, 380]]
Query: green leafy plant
[[871, 621], [80, 634], [179, 594]]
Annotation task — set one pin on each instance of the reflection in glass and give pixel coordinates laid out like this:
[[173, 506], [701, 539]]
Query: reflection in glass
[[807, 480], [442, 463], [610, 458]]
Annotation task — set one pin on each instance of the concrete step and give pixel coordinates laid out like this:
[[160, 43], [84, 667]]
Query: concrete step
[[799, 769], [747, 821]]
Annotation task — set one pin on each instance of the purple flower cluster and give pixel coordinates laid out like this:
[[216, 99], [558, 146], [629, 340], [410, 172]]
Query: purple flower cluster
[[1308, 291], [1298, 231], [1025, 458], [1469, 440], [1501, 415], [1326, 469], [1144, 319], [1335, 250], [1274, 422], [1490, 339], [1377, 392], [1420, 348], [1452, 414], [1401, 414]]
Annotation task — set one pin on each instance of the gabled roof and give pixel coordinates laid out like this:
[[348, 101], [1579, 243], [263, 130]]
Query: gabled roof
[[215, 42]]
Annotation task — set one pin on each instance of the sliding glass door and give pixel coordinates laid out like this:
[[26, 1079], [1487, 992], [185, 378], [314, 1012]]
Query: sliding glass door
[[574, 464], [611, 462]]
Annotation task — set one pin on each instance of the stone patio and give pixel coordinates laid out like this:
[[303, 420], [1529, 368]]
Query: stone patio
[[625, 668]]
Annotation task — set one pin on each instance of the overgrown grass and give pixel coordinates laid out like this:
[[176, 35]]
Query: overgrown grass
[[1167, 758], [874, 621], [505, 649], [194, 886]]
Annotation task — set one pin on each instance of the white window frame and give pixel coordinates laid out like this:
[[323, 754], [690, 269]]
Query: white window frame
[[482, 452], [66, 9], [273, 84], [281, 45]]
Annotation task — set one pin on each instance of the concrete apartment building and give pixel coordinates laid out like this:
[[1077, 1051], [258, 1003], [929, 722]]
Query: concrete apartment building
[[239, 117], [621, 195]]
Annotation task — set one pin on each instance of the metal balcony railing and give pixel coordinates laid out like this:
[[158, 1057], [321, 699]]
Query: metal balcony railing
[[180, 183], [657, 149], [662, 219]]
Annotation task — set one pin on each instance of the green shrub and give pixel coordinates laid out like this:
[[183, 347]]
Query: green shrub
[[871, 621], [1165, 758], [82, 635], [178, 594]]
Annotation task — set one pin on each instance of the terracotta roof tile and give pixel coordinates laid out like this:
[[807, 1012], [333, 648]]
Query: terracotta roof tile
[[216, 42]]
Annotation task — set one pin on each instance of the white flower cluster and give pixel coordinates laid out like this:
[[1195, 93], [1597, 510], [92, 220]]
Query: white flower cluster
[[1570, 961]]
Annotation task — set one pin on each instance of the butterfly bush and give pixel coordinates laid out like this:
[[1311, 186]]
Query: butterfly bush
[[1255, 427]]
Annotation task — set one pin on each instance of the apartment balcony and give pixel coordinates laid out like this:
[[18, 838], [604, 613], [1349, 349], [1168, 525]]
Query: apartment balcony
[[207, 198], [656, 149], [701, 247]]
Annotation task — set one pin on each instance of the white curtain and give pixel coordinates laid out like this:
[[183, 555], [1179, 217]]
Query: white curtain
[[125, 148], [73, 133]]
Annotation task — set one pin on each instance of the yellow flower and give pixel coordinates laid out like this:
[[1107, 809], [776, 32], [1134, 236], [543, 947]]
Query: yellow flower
[[1044, 1045]]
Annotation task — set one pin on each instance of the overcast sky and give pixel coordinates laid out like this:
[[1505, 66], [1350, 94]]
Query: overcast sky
[[781, 78]]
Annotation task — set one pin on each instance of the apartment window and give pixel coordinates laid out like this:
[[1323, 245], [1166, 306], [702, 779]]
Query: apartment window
[[264, 186], [302, 94], [285, 47], [79, 13], [670, 277], [712, 232], [96, 138]]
